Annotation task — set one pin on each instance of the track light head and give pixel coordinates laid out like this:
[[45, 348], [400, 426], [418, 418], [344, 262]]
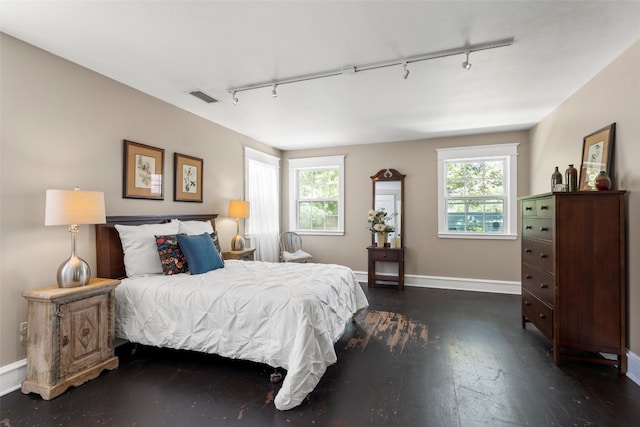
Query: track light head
[[234, 98], [466, 64], [274, 94], [406, 71]]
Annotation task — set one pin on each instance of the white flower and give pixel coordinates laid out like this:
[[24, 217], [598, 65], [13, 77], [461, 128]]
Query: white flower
[[379, 227]]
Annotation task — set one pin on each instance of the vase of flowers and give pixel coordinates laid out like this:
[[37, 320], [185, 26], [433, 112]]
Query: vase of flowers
[[378, 224]]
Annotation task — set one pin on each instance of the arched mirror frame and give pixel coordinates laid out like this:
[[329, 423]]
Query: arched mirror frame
[[390, 175]]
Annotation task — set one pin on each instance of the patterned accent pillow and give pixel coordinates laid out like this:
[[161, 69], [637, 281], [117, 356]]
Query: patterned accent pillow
[[171, 257], [216, 241]]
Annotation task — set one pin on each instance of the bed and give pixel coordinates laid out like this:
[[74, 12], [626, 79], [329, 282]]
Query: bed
[[285, 315]]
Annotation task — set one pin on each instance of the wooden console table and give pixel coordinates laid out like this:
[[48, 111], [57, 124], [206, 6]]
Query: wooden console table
[[385, 255]]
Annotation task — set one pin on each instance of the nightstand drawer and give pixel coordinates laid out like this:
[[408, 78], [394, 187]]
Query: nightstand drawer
[[242, 255], [384, 254]]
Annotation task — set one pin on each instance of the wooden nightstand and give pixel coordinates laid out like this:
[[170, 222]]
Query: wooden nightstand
[[243, 255], [70, 336]]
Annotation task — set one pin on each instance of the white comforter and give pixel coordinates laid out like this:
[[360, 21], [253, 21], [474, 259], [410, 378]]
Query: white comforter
[[283, 314]]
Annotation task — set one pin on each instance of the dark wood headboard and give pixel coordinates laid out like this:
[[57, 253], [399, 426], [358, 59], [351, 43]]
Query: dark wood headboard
[[109, 255]]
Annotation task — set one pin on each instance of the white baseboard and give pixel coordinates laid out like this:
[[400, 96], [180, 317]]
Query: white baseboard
[[12, 375], [455, 283], [633, 367]]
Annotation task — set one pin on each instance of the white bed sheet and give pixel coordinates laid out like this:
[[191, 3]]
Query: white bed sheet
[[285, 315]]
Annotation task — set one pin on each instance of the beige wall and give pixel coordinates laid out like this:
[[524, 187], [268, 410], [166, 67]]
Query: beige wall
[[426, 254], [62, 126], [612, 96]]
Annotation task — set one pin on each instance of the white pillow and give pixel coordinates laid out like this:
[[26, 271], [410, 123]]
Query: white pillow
[[194, 227], [140, 248]]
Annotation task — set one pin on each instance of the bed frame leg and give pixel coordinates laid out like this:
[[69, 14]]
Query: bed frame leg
[[275, 377]]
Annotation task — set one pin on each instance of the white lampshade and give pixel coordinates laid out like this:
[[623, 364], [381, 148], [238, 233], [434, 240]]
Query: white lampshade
[[66, 207], [238, 209]]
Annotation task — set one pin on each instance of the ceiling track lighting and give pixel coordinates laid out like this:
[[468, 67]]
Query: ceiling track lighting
[[466, 50], [466, 64]]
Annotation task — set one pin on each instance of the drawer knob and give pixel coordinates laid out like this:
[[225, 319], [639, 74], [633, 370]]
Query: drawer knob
[[543, 286], [543, 255], [384, 255], [544, 228], [528, 227], [527, 250], [528, 208], [544, 207], [528, 276], [65, 341], [526, 302], [542, 316]]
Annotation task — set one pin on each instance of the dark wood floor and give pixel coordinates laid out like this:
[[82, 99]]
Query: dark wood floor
[[421, 357]]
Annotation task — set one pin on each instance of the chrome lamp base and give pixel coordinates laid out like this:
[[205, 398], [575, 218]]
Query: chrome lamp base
[[238, 243], [73, 272]]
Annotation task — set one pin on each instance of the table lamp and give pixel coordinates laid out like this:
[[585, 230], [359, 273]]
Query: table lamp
[[72, 208], [238, 209]]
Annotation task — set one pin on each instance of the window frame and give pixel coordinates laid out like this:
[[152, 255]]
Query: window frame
[[506, 152], [315, 163]]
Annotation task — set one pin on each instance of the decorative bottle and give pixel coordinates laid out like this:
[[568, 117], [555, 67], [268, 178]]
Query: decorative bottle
[[603, 182], [556, 178], [571, 174]]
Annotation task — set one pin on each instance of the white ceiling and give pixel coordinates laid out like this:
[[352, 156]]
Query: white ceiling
[[169, 48]]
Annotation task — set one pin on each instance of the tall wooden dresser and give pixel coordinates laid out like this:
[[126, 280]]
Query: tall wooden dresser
[[574, 273]]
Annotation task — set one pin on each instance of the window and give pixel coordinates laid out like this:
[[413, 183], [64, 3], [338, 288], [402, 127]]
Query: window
[[477, 192], [316, 195]]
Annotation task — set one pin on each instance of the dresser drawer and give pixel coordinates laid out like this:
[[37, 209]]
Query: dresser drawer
[[545, 207], [538, 254], [538, 313], [538, 228], [390, 255], [539, 284], [529, 208]]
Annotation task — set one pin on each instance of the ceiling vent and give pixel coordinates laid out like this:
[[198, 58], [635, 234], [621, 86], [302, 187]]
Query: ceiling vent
[[203, 96]]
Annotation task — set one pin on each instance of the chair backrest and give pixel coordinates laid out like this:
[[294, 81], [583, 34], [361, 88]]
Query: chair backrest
[[290, 242]]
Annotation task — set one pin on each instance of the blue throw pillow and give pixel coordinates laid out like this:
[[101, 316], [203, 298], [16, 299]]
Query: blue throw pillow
[[200, 252]]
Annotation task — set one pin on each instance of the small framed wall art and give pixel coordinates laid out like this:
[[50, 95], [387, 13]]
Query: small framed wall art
[[143, 167], [187, 171], [597, 152]]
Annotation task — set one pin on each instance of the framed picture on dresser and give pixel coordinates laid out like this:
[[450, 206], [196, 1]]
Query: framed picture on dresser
[[597, 153]]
